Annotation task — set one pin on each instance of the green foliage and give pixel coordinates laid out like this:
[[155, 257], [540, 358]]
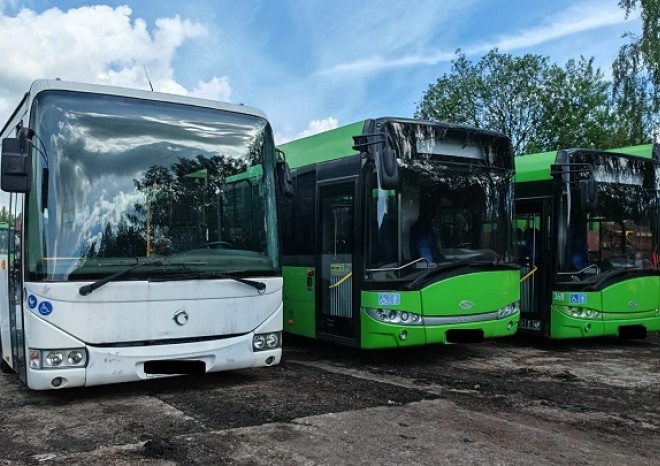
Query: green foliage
[[539, 105], [649, 42], [636, 75], [577, 109], [5, 216]]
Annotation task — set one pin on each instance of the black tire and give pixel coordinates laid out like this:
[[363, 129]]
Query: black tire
[[4, 367]]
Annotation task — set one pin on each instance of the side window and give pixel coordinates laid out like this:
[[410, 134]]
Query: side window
[[285, 205], [304, 214]]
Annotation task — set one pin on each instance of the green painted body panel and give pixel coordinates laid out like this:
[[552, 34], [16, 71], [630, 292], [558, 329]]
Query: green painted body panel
[[645, 291], [631, 302], [322, 147], [488, 291], [299, 302], [536, 167], [442, 299], [378, 335], [253, 172], [644, 150]]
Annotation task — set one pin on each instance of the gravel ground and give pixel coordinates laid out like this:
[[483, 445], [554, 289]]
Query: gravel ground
[[512, 401]]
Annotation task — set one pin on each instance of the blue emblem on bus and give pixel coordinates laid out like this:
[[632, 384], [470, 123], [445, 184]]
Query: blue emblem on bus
[[578, 298], [45, 308], [32, 301], [389, 299]]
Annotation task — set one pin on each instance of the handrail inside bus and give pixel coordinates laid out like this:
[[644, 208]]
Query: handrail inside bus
[[343, 279], [394, 269], [529, 274]]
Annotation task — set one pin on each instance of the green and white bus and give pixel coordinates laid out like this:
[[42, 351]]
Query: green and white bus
[[588, 239], [400, 233]]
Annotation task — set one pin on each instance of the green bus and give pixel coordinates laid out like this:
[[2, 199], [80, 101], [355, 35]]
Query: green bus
[[587, 229], [400, 233]]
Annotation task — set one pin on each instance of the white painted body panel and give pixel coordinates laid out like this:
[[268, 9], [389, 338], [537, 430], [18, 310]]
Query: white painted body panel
[[134, 316], [138, 311]]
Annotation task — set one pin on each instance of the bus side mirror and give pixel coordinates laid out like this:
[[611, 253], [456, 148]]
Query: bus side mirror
[[589, 194], [284, 180], [16, 166], [388, 170]]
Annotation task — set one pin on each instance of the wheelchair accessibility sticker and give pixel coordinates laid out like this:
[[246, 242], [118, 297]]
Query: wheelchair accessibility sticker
[[389, 299], [45, 308], [578, 298]]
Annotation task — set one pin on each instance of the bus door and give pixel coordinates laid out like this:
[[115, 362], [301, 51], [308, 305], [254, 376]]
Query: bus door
[[335, 280], [532, 250], [15, 294]]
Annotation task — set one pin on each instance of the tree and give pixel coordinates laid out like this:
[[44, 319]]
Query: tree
[[496, 93], [6, 217], [649, 42], [577, 110], [539, 105], [636, 75]]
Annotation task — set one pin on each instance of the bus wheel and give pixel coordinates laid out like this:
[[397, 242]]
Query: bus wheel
[[4, 367]]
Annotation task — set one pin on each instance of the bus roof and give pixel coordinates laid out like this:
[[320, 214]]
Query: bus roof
[[328, 145], [55, 84], [536, 167], [338, 143]]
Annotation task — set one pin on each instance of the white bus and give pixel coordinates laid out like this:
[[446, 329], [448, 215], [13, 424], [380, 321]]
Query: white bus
[[131, 258]]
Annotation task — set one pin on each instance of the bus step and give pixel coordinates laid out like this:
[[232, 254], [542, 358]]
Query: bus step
[[632, 332], [174, 367], [465, 336]]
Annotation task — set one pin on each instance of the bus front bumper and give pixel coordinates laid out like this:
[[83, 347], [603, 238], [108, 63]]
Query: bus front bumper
[[377, 335], [127, 364], [606, 325]]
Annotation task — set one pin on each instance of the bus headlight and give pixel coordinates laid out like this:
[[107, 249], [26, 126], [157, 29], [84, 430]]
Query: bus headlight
[[580, 312], [75, 357], [53, 359], [57, 359], [391, 316], [266, 341], [508, 310]]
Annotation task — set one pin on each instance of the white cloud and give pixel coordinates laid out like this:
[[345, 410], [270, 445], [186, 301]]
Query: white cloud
[[578, 18], [95, 44], [216, 89], [314, 127], [581, 17]]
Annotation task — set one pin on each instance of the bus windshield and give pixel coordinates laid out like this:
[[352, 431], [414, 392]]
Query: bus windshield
[[119, 179], [620, 233], [438, 215]]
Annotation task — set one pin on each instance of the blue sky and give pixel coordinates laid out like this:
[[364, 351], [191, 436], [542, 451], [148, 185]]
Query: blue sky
[[309, 64]]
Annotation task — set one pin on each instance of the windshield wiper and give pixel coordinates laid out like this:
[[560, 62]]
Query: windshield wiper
[[87, 289], [614, 274], [441, 268], [259, 286]]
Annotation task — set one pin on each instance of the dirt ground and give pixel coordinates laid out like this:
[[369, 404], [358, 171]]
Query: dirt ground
[[508, 402]]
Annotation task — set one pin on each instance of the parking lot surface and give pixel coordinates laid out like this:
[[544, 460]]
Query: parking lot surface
[[510, 402]]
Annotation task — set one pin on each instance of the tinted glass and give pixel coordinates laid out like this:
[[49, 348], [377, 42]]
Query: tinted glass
[[118, 179]]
